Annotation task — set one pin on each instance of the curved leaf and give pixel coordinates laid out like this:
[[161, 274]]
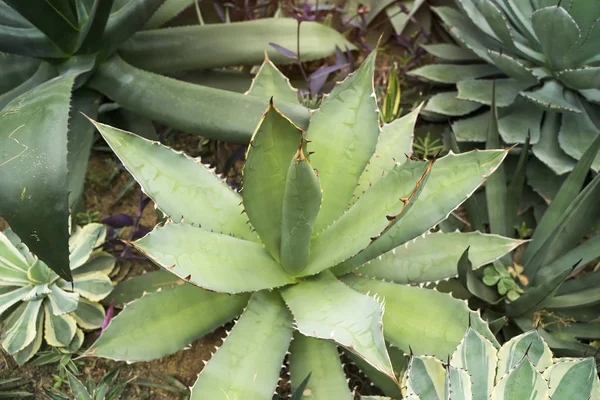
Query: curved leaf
[[448, 104], [572, 379], [523, 382], [528, 344], [453, 73], [426, 378], [182, 314], [59, 329], [135, 287], [557, 33], [547, 148], [480, 90], [478, 356], [19, 329]]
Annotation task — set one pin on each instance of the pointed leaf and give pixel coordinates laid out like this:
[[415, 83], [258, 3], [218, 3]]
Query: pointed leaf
[[325, 308], [451, 73], [426, 378], [458, 384], [523, 382], [473, 283], [572, 379], [433, 324], [321, 360], [450, 52], [254, 350], [519, 119], [183, 314], [581, 78], [181, 187], [557, 33], [476, 355], [548, 150], [272, 147], [10, 257], [213, 261], [435, 256], [78, 389], [531, 344], [8, 299], [270, 82], [33, 169], [480, 90], [512, 67], [553, 96]]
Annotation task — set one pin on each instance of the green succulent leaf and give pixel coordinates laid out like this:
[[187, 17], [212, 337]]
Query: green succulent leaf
[[513, 67], [552, 96], [89, 315], [528, 345], [78, 389], [28, 42], [83, 241], [572, 379], [458, 384], [472, 282], [8, 299], [201, 46], [91, 30], [321, 360], [426, 378], [480, 90], [18, 330], [434, 323], [270, 82], [435, 256], [324, 308], [272, 147], [134, 287], [24, 355], [343, 135], [523, 382], [183, 314], [451, 73], [203, 258], [44, 73], [59, 329], [63, 302], [16, 69], [265, 324], [33, 169], [581, 78], [548, 150], [450, 52], [448, 103], [577, 131], [557, 33], [183, 105]]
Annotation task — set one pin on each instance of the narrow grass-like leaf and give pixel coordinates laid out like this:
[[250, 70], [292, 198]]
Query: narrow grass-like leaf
[[515, 189], [265, 324], [203, 258], [183, 314], [78, 389], [325, 308], [321, 360]]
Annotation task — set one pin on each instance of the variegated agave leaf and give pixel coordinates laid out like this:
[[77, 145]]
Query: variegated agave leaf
[[36, 304], [315, 206], [523, 368]]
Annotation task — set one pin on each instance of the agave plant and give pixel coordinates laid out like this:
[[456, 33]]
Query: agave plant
[[523, 368], [544, 58], [57, 59], [36, 304], [280, 256]]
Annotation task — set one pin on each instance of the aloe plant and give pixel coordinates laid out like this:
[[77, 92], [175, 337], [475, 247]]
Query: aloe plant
[[37, 305], [544, 59], [523, 368], [58, 58], [281, 256]]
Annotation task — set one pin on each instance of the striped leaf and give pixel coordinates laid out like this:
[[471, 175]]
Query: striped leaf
[[530, 344], [426, 378], [524, 382]]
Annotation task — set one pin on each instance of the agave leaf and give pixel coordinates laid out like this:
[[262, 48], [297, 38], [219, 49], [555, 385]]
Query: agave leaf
[[472, 129], [588, 297], [581, 78], [320, 359], [28, 42], [577, 131], [426, 378], [18, 329], [301, 203], [453, 178], [272, 147], [325, 308], [434, 323], [183, 314], [201, 46], [557, 33], [91, 30], [515, 189], [270, 82], [544, 182], [450, 52], [24, 355], [265, 324], [203, 258], [394, 144], [448, 103], [478, 356], [167, 11], [388, 386], [89, 315], [553, 96], [522, 382], [480, 90], [453, 73], [520, 119], [458, 384], [33, 170], [99, 261], [180, 188], [343, 135], [572, 379], [435, 256], [473, 283], [16, 69], [59, 329], [590, 330], [512, 67], [528, 344], [78, 389], [183, 105], [547, 149], [377, 211], [44, 72], [134, 287], [586, 252]]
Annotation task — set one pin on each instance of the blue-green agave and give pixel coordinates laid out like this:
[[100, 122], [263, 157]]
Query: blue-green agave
[[544, 58], [37, 305], [315, 207], [523, 368]]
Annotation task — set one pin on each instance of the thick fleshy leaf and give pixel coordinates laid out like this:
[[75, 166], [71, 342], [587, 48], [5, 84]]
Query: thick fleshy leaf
[[134, 287], [63, 302], [458, 384], [451, 73], [254, 349], [376, 212], [512, 67], [99, 261], [185, 106], [10, 257], [89, 315], [272, 147], [393, 145], [301, 203], [270, 82], [531, 344], [547, 149], [324, 308], [22, 356], [212, 261], [448, 104], [201, 46], [181, 187], [93, 286], [15, 69], [553, 96], [572, 379], [183, 314], [521, 383], [452, 180], [8, 299], [478, 356], [577, 131], [581, 78], [435, 256], [44, 73], [59, 330], [426, 378], [557, 33], [343, 135], [321, 360], [424, 320], [33, 169], [480, 90], [472, 129], [450, 52], [83, 241], [19, 329], [519, 119]]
